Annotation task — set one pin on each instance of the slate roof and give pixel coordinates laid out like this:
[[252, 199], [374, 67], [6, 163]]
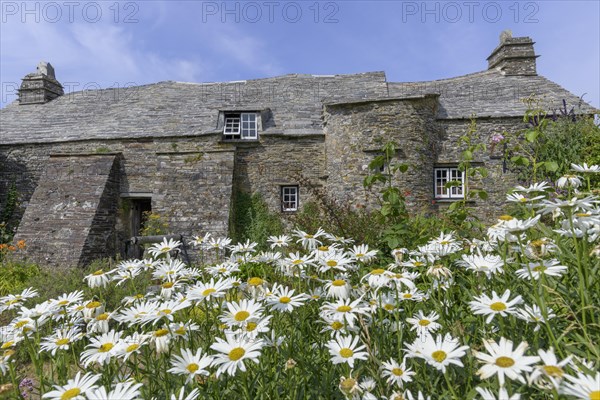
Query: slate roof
[[295, 104], [491, 94]]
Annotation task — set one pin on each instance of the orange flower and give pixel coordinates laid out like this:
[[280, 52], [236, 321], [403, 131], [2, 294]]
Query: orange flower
[[21, 244], [12, 248], [3, 246]]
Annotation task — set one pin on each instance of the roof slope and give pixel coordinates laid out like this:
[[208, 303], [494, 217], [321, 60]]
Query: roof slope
[[177, 109], [174, 108], [491, 94]]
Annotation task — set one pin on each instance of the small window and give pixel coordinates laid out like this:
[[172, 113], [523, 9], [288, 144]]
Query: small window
[[240, 126], [449, 174], [289, 198]]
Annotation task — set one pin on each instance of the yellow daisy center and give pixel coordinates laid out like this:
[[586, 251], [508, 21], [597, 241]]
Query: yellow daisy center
[[378, 271], [106, 347], [63, 302], [505, 218], [296, 262], [62, 342], [323, 248], [539, 268], [193, 367], [21, 323], [167, 285], [241, 316], [308, 236], [338, 282], [255, 281], [132, 347], [99, 272], [439, 355], [388, 307], [444, 242], [344, 308], [180, 330], [236, 353], [7, 345], [419, 264], [424, 322], [595, 395], [583, 215], [397, 371], [332, 263], [102, 317], [208, 292], [347, 384], [505, 362], [553, 370], [336, 325], [166, 311], [284, 299], [498, 306], [407, 296], [161, 332], [93, 304], [346, 352], [71, 393], [165, 249], [250, 326]]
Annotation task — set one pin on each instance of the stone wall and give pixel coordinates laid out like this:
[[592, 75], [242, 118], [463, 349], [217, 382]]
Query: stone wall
[[355, 134], [500, 179], [279, 160], [71, 215]]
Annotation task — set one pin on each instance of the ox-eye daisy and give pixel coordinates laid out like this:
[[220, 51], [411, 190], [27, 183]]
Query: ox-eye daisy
[[396, 373], [424, 324], [505, 361], [439, 351], [233, 351], [345, 349], [487, 394], [190, 364], [75, 389], [122, 391], [542, 267], [582, 386], [550, 369], [101, 348], [491, 306], [62, 339], [238, 313]]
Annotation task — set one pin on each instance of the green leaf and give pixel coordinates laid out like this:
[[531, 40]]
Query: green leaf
[[531, 136], [482, 194], [403, 168], [467, 155], [551, 166]]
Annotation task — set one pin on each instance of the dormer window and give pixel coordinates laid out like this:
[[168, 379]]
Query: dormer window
[[242, 126]]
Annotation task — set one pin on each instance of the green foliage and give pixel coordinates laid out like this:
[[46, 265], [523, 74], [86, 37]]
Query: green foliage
[[154, 224], [10, 203], [252, 220], [546, 149], [459, 213], [392, 203], [339, 219], [16, 275]]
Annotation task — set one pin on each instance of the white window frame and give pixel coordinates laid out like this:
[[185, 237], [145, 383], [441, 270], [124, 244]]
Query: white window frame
[[241, 126], [443, 175], [290, 198]]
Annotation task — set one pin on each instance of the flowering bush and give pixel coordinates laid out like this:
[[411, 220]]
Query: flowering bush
[[510, 315]]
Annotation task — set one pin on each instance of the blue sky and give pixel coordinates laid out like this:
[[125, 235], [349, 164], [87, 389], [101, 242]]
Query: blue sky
[[95, 44]]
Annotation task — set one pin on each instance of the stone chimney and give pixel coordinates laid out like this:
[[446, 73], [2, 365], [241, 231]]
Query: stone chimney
[[41, 86], [514, 55]]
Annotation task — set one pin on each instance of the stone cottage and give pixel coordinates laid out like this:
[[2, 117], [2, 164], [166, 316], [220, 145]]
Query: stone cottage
[[85, 165]]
